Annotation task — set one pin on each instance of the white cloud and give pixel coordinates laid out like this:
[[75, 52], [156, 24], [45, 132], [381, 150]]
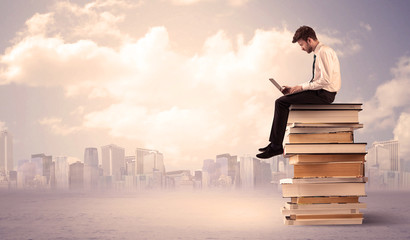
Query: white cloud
[[366, 26], [392, 97], [219, 100], [56, 126], [402, 133]]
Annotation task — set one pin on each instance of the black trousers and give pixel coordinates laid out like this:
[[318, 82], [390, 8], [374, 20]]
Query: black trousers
[[282, 104]]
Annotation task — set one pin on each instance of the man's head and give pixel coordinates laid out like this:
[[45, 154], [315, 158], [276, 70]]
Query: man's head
[[306, 38]]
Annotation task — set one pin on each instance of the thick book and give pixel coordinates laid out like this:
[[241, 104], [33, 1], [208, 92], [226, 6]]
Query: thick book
[[329, 221], [325, 189], [323, 116], [324, 158], [330, 148], [334, 137], [290, 205], [320, 180], [318, 211], [333, 106], [325, 200], [326, 216], [322, 127], [325, 170]]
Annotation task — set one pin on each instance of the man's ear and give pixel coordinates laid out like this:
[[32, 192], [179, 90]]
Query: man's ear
[[309, 40]]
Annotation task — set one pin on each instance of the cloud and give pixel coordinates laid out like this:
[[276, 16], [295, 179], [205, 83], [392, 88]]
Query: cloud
[[390, 99], [366, 26], [56, 126], [218, 100], [402, 133]]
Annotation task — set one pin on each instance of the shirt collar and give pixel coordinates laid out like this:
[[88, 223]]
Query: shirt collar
[[317, 49]]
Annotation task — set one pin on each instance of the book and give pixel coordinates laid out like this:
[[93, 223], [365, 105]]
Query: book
[[334, 137], [324, 170], [331, 221], [325, 200], [320, 180], [325, 189], [330, 148], [318, 211], [321, 127], [290, 205], [322, 158], [323, 116], [326, 216], [333, 106]]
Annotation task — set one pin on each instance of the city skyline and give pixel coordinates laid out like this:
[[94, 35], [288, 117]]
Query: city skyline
[[188, 77]]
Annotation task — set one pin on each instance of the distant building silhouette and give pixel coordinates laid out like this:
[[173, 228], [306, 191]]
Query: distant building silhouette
[[113, 161], [76, 176], [6, 152], [61, 170], [383, 165], [91, 172]]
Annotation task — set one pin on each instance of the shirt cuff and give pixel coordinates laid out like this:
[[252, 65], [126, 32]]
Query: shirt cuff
[[305, 86]]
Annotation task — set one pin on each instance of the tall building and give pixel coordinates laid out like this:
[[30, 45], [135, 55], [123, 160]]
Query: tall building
[[113, 161], [6, 152], [254, 173], [61, 171], [43, 165], [228, 166], [149, 161], [210, 173], [91, 174], [383, 165], [385, 154], [247, 170], [76, 176]]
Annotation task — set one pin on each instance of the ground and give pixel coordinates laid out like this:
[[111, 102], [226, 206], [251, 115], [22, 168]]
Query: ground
[[185, 215]]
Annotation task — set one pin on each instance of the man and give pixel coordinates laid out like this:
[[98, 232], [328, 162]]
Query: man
[[321, 89]]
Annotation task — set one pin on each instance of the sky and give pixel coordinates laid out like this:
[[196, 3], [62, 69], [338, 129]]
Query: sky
[[189, 77]]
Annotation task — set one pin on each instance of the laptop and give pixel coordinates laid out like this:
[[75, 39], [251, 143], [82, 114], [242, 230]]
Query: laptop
[[279, 87]]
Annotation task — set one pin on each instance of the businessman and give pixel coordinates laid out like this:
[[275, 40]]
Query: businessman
[[321, 89]]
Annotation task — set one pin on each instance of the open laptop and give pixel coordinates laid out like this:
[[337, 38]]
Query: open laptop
[[279, 87]]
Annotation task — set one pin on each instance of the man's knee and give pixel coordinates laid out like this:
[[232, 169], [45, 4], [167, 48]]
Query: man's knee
[[282, 102]]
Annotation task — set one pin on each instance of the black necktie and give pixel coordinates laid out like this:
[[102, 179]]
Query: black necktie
[[313, 69]]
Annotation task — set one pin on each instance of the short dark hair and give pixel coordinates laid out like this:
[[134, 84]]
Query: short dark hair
[[304, 32]]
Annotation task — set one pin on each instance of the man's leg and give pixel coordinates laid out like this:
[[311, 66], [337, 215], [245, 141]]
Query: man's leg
[[281, 114]]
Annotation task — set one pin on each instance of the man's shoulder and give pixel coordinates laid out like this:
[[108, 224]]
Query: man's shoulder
[[325, 49]]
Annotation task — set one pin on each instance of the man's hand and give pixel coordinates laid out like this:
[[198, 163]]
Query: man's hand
[[295, 89], [286, 90]]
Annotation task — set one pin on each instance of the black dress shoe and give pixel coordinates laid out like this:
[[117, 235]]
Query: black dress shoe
[[264, 148], [270, 152]]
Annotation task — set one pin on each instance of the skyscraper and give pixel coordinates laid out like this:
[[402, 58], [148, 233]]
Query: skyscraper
[[6, 152], [43, 164], [385, 154], [113, 161], [90, 168], [61, 169], [247, 169], [228, 166], [76, 175], [149, 160], [383, 165]]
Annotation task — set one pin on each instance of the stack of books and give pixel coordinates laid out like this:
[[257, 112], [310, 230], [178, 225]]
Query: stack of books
[[328, 165]]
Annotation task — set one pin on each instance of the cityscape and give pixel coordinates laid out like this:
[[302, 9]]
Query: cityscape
[[108, 168]]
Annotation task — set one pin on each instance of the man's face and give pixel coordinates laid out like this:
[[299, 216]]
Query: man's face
[[305, 45]]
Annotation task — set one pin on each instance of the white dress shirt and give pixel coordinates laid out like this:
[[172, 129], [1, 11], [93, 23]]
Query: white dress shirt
[[327, 70]]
